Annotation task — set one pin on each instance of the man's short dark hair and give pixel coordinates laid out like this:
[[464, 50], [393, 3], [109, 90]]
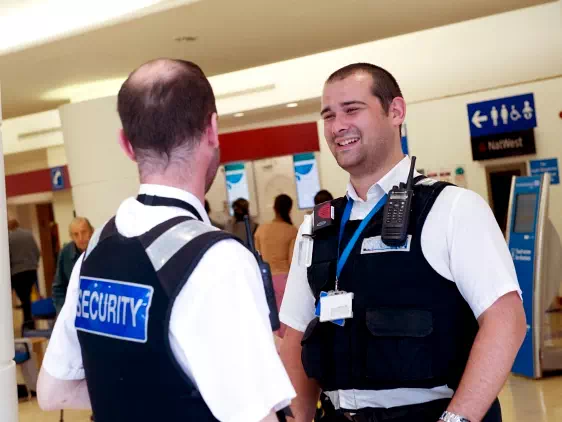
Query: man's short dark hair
[[322, 196], [170, 107], [385, 87], [242, 204]]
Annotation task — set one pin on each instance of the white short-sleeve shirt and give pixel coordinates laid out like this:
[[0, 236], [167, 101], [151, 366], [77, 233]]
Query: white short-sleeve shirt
[[222, 306], [460, 239]]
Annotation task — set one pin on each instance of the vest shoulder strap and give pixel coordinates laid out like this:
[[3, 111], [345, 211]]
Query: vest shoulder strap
[[176, 246], [426, 191], [175, 273], [107, 229]]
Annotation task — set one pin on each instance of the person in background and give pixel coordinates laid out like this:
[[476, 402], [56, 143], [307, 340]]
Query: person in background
[[80, 231], [213, 222], [241, 208], [322, 196], [275, 241], [24, 260]]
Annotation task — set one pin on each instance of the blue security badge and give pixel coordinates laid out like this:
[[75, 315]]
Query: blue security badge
[[114, 309]]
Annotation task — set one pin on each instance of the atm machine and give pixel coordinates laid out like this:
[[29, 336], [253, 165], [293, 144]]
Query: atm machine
[[8, 388], [537, 254]]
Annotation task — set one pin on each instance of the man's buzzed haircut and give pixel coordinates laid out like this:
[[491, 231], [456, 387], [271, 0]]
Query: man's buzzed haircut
[[163, 105], [385, 87]]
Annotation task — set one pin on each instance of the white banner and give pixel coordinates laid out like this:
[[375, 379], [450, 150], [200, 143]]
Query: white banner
[[308, 181]]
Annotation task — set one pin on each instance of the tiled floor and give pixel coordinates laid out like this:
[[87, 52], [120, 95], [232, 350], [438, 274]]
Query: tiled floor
[[522, 400]]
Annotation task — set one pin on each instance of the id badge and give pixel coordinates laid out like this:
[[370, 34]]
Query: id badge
[[340, 322], [336, 306]]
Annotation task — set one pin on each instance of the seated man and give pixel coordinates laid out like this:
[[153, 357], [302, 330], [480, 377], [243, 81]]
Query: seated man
[[80, 232]]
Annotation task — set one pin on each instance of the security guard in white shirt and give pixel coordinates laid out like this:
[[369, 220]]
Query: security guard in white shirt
[[424, 331], [165, 317]]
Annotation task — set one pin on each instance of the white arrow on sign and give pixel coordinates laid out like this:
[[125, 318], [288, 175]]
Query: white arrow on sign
[[477, 119]]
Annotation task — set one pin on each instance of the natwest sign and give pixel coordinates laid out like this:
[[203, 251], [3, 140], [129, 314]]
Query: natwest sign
[[503, 145]]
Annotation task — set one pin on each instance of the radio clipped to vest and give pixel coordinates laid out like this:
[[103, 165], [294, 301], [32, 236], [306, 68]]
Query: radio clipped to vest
[[397, 211], [265, 272]]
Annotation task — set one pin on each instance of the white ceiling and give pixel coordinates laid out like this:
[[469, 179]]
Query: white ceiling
[[231, 35]]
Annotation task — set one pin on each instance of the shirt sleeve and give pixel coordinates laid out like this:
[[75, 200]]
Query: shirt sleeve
[[480, 262], [220, 323], [63, 359], [297, 308]]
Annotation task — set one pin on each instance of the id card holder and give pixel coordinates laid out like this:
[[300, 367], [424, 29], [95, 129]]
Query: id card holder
[[335, 310], [340, 322], [336, 306]]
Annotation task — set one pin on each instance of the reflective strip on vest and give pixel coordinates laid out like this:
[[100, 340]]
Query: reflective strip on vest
[[170, 242]]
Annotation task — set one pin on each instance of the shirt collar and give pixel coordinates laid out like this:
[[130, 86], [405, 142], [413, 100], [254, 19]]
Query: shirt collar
[[171, 192], [399, 173]]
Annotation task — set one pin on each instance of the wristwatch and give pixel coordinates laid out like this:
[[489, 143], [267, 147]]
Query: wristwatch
[[451, 417]]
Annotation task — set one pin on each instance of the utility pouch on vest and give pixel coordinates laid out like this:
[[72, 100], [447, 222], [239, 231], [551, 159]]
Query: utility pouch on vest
[[399, 344], [317, 350]]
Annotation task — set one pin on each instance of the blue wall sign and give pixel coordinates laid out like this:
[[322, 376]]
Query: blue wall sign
[[57, 178], [503, 115], [522, 238], [549, 165]]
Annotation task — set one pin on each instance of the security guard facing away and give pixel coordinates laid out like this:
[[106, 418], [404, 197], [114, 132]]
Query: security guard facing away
[[146, 331], [424, 331]]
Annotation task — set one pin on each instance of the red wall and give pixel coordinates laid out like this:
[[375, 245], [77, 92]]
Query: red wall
[[269, 142], [33, 182], [247, 145]]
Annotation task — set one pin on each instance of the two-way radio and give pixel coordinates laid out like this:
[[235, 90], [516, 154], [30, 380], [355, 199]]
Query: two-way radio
[[265, 271], [397, 211]]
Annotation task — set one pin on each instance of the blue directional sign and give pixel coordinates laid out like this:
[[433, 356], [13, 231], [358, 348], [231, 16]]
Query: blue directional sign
[[57, 178], [503, 115], [550, 165]]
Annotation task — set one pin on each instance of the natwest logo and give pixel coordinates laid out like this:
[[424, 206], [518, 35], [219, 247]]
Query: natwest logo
[[505, 144]]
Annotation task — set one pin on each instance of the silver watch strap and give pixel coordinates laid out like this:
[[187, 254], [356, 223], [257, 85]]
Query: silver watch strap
[[451, 417]]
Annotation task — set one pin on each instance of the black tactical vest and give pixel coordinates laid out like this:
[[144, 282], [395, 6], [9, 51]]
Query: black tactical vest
[[411, 328], [127, 290]]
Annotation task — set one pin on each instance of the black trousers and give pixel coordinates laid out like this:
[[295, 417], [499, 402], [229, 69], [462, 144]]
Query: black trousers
[[23, 283], [426, 412]]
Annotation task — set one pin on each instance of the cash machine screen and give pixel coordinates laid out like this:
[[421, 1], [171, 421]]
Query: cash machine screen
[[525, 208]]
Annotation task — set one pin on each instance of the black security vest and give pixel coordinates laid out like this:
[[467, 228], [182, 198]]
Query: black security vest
[[411, 328], [134, 380]]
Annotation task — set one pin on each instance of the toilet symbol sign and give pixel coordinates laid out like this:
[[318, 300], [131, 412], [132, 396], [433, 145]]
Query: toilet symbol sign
[[502, 115]]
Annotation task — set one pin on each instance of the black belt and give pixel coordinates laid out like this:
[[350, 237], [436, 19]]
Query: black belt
[[424, 412], [160, 201]]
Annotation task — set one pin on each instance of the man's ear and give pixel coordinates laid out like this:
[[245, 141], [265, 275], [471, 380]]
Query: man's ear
[[397, 111], [213, 131], [126, 145]]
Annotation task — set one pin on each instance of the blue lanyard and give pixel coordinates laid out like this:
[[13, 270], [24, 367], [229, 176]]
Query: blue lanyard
[[342, 258]]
